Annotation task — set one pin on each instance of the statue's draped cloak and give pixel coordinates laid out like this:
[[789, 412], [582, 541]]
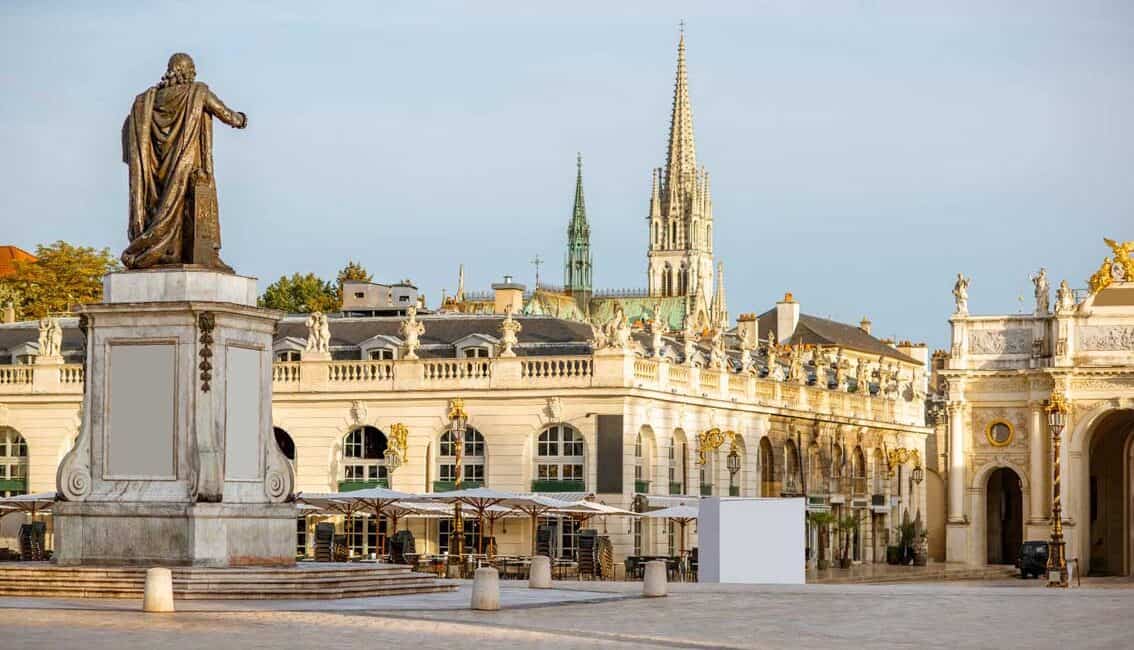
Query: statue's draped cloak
[[166, 142]]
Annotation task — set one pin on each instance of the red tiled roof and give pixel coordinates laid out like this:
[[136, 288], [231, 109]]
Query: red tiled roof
[[9, 254]]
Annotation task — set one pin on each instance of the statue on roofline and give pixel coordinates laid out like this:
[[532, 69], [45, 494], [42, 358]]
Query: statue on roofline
[[961, 295], [1042, 290], [167, 142]]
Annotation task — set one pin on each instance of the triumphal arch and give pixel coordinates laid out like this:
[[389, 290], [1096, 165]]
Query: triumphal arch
[[997, 381]]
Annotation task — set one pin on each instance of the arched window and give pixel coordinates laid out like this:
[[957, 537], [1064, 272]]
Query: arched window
[[677, 462], [791, 486], [472, 461], [364, 462], [13, 463], [683, 281], [559, 460], [858, 472], [667, 280], [709, 237], [816, 483], [767, 469], [837, 485], [878, 472], [638, 469]]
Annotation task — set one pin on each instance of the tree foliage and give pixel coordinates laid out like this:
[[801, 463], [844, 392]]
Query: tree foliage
[[301, 294], [354, 271], [61, 277]]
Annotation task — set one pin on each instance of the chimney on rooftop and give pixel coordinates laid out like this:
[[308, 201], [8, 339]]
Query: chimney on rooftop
[[747, 328], [787, 317], [508, 296], [865, 324], [9, 313]]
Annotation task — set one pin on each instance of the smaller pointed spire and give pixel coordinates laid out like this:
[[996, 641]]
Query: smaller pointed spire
[[655, 193], [578, 265], [720, 307]]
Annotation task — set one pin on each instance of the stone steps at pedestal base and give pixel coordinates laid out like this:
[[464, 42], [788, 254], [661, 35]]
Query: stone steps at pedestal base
[[324, 581]]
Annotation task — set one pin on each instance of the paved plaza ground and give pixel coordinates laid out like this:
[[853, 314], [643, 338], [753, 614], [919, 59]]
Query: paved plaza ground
[[1002, 614]]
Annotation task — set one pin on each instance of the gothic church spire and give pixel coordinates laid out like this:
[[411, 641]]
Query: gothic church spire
[[577, 279]]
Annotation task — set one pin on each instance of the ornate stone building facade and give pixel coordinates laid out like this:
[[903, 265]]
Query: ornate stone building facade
[[619, 413], [642, 400], [993, 438]]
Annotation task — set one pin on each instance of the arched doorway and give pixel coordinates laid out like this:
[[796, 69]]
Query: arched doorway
[[1110, 495], [1004, 521]]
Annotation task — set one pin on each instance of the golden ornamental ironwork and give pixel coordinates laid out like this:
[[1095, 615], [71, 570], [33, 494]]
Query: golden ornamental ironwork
[[457, 409], [397, 447], [711, 440], [901, 456], [1057, 403], [1118, 269]]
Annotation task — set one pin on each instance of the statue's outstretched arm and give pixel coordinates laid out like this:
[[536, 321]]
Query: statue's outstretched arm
[[216, 107]]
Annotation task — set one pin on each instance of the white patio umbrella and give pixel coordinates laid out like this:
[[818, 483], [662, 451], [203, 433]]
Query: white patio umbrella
[[29, 503], [681, 514], [479, 499], [379, 502], [535, 505]]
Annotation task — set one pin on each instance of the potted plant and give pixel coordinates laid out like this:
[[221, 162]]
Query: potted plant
[[822, 521], [921, 549], [847, 525], [906, 533], [893, 555]]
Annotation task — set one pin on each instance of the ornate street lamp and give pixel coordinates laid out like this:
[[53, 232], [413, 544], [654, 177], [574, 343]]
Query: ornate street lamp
[[458, 425], [1057, 409], [733, 464]]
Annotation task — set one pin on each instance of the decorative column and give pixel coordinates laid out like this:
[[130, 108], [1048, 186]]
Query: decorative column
[[956, 463], [1037, 463]]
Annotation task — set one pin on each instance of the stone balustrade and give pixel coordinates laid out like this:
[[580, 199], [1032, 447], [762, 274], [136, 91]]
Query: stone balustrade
[[47, 378], [359, 372], [15, 376], [605, 369]]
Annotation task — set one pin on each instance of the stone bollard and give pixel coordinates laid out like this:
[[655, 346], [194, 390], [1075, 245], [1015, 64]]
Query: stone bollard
[[158, 596], [540, 575], [654, 584], [486, 590]]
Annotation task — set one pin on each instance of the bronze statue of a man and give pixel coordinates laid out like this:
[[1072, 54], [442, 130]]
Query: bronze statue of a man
[[167, 141]]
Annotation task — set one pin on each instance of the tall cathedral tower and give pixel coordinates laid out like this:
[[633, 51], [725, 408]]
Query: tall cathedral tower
[[681, 213], [577, 278]]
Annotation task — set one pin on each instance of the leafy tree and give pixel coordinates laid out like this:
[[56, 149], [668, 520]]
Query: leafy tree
[[300, 294], [354, 271], [61, 277]]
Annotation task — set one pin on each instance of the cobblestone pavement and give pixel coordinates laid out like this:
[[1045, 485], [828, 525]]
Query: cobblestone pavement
[[1005, 614]]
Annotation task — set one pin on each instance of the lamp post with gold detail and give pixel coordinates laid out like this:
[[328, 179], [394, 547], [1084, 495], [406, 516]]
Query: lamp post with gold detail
[[1057, 409], [458, 425]]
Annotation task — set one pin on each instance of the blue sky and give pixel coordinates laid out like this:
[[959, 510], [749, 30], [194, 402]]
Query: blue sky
[[861, 152]]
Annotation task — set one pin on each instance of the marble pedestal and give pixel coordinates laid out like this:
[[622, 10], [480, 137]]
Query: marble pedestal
[[175, 463]]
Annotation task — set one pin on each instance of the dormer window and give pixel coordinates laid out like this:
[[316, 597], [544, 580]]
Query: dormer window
[[475, 346], [381, 354], [287, 355]]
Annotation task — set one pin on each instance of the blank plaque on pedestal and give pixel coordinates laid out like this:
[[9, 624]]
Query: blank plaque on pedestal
[[242, 415], [141, 412]]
